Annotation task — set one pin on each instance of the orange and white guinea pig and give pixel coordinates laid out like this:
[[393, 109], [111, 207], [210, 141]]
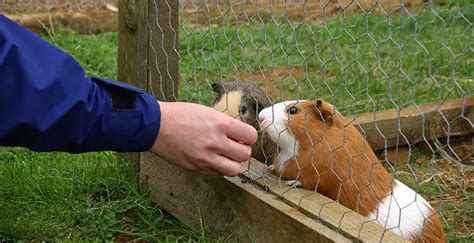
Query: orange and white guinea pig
[[320, 150]]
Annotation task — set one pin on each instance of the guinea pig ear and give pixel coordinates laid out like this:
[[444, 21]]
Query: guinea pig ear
[[323, 111]]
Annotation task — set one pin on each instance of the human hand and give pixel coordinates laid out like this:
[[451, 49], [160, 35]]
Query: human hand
[[202, 140]]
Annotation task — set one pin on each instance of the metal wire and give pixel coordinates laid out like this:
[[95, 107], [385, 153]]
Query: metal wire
[[361, 56]]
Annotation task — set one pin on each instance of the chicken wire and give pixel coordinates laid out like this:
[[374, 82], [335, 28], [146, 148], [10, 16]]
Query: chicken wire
[[361, 56]]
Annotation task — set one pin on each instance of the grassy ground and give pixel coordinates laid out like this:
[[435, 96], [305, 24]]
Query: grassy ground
[[92, 196], [358, 63], [78, 197], [446, 185]]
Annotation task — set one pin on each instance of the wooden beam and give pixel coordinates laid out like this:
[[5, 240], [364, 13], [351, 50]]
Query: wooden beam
[[132, 50], [319, 207], [414, 124], [81, 22], [233, 207]]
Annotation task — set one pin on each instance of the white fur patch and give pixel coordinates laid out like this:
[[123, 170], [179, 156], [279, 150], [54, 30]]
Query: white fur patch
[[403, 212], [274, 121], [294, 183]]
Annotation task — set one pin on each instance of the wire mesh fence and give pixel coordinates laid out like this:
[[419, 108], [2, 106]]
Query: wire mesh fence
[[358, 56]]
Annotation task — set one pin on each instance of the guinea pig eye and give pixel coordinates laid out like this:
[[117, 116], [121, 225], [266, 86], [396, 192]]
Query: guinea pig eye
[[293, 110], [243, 110]]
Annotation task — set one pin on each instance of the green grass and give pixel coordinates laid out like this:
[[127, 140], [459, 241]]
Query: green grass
[[360, 63], [457, 215], [92, 196], [371, 62], [417, 175]]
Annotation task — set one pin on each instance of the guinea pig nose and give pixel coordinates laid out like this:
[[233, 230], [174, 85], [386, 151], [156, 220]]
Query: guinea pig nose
[[260, 118]]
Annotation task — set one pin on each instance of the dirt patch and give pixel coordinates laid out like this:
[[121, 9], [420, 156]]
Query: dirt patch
[[398, 156], [279, 82], [53, 6], [446, 179], [122, 238], [260, 10], [82, 22], [83, 16], [89, 16], [457, 184]]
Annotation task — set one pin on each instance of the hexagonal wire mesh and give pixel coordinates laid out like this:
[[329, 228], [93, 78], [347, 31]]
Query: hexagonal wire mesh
[[360, 56]]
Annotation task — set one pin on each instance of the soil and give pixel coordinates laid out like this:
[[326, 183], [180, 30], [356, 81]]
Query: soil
[[83, 16], [456, 178], [91, 15], [51, 6], [270, 80], [458, 183], [308, 11]]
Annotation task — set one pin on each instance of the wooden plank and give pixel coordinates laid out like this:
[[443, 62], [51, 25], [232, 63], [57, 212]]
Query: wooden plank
[[321, 208], [389, 128], [133, 43], [229, 207], [81, 22], [133, 50]]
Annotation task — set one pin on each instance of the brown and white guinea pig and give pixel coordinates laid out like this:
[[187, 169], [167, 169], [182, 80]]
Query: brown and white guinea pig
[[244, 101], [320, 150]]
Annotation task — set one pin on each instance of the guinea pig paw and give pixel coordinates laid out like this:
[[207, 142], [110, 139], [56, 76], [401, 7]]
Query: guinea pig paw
[[271, 168], [294, 183]]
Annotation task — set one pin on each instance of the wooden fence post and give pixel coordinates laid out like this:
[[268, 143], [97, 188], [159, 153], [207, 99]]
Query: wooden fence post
[[132, 51]]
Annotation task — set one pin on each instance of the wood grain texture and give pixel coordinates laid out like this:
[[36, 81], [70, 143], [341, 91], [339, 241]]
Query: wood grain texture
[[319, 207], [389, 128], [80, 22], [133, 39], [230, 207]]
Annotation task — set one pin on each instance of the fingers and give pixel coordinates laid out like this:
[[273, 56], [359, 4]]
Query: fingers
[[241, 132], [236, 151], [225, 166]]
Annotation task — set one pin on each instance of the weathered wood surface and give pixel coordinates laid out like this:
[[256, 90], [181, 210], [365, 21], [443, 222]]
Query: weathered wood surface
[[229, 207], [132, 50], [81, 22], [319, 207], [389, 128]]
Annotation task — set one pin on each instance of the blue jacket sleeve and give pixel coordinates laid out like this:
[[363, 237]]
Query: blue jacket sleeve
[[47, 103]]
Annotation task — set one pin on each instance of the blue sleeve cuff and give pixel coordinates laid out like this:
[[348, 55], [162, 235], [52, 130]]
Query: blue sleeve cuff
[[128, 131], [47, 103]]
